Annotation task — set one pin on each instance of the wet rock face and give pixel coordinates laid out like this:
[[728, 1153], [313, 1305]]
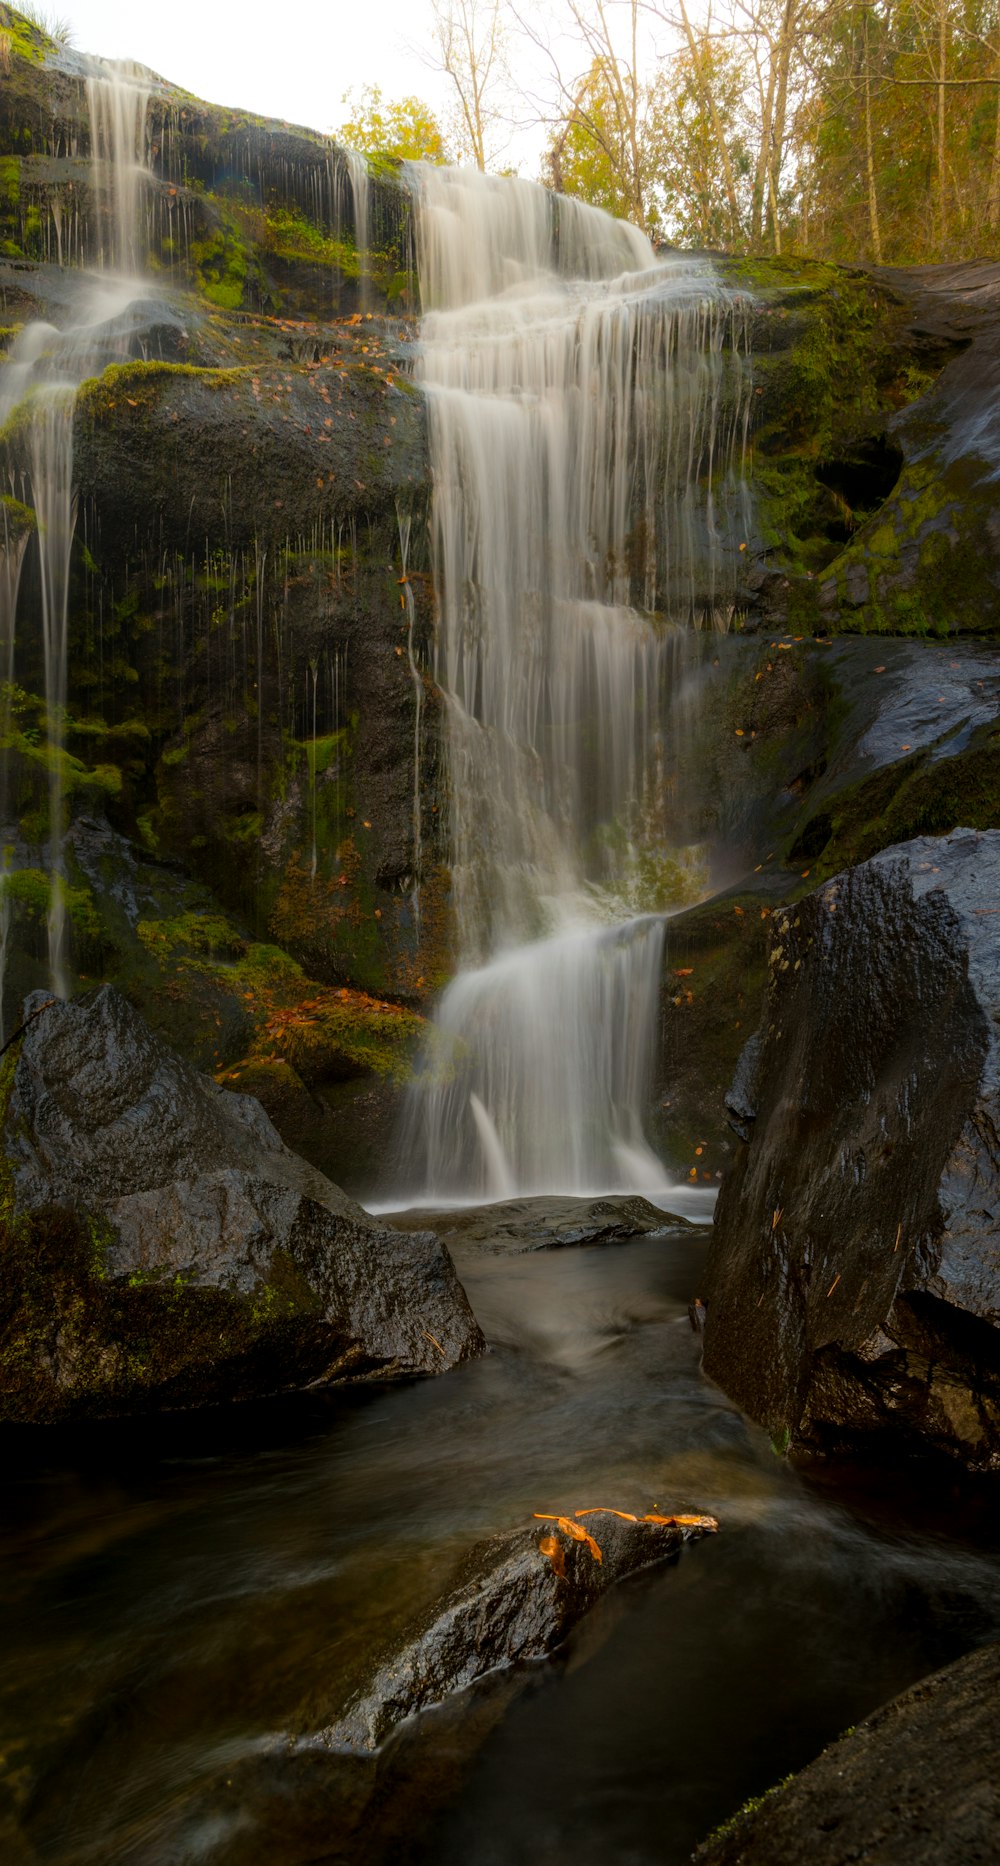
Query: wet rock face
[[854, 1275], [914, 1785], [514, 1226], [194, 1257], [516, 1598]]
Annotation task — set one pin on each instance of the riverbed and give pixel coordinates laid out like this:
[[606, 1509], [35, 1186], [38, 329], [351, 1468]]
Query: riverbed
[[187, 1602]]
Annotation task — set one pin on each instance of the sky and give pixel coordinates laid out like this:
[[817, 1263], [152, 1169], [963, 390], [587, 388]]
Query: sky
[[293, 60]]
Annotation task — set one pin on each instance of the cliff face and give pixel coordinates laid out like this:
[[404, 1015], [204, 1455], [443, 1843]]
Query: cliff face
[[251, 739]]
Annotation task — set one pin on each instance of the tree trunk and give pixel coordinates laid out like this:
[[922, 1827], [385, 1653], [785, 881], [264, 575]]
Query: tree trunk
[[708, 98], [869, 155]]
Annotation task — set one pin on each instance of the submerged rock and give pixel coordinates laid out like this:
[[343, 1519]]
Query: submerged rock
[[163, 1247], [515, 1598], [515, 1226], [916, 1784], [854, 1275]]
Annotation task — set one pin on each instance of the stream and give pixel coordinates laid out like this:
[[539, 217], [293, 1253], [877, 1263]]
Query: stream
[[182, 1596]]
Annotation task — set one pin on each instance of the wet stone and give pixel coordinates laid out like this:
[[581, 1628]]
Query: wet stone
[[515, 1598], [515, 1226]]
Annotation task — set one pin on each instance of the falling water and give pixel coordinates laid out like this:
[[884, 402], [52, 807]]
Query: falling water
[[357, 169], [12, 548], [587, 411], [41, 379], [117, 99], [405, 525]]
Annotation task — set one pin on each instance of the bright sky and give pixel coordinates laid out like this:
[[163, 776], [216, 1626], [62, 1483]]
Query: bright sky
[[291, 60]]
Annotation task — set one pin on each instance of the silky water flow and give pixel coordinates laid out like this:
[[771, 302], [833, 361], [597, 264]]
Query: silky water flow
[[588, 409]]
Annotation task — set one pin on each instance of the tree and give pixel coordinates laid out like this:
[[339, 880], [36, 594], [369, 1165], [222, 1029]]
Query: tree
[[470, 48], [404, 129]]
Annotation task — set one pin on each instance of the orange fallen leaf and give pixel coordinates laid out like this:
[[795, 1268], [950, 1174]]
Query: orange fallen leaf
[[709, 1523], [572, 1529], [553, 1548], [683, 971], [599, 1509]]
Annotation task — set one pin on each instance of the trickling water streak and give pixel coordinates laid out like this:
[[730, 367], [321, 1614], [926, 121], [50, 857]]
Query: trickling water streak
[[418, 695], [313, 764], [12, 549], [587, 412]]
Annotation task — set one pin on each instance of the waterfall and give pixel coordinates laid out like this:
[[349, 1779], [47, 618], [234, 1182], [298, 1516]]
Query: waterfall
[[40, 382], [587, 410], [357, 169], [117, 98]]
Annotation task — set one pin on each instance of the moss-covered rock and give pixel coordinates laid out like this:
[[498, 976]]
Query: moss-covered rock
[[161, 1248], [874, 450]]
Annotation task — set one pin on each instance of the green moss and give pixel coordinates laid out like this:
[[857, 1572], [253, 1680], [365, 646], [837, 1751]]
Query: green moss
[[919, 796], [222, 262], [24, 38], [139, 385], [15, 519], [30, 891], [750, 1807], [202, 934], [288, 235]]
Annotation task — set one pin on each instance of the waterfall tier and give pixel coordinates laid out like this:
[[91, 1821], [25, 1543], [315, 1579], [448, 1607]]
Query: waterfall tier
[[588, 407]]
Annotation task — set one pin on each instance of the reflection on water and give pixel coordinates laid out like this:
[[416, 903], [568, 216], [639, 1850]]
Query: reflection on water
[[181, 1599]]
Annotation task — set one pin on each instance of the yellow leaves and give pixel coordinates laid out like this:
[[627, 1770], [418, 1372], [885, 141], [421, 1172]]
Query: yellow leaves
[[683, 971]]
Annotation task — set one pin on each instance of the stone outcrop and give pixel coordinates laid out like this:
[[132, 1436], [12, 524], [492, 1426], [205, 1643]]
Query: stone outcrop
[[512, 1227], [876, 447], [914, 1785], [516, 1598], [853, 1283], [162, 1248], [811, 756]]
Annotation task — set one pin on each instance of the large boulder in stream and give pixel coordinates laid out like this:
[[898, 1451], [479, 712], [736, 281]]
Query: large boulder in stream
[[854, 1278], [515, 1598], [916, 1784], [162, 1247]]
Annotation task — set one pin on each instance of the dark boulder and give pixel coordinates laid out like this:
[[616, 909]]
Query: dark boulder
[[163, 1247], [916, 1784], [515, 1598], [854, 1276]]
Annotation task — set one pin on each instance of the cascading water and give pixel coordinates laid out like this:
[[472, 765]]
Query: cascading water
[[357, 169], [40, 381], [587, 410]]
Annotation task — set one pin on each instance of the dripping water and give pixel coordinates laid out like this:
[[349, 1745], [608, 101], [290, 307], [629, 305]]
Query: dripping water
[[404, 524]]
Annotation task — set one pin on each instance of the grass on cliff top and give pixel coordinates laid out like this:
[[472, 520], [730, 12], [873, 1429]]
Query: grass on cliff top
[[22, 35]]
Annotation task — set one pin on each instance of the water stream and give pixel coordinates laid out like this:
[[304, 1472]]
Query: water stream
[[587, 412], [180, 1599]]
